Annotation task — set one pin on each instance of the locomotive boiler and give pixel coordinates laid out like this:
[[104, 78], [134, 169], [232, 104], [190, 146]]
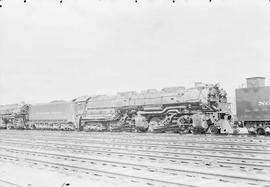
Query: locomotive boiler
[[170, 109]]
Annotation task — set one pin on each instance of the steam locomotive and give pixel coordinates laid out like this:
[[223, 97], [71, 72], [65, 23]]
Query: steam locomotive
[[176, 109]]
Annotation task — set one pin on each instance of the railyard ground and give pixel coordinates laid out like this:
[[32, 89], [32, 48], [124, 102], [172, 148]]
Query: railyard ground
[[80, 159]]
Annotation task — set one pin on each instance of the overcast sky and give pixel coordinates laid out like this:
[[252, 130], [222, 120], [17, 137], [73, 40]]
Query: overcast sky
[[51, 51]]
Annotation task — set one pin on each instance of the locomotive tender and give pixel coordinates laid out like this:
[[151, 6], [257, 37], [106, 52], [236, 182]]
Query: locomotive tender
[[55, 115], [176, 109]]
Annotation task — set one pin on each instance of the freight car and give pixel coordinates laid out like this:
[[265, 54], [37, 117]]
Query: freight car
[[57, 115], [13, 116], [253, 106]]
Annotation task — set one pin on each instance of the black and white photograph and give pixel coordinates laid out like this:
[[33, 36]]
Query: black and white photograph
[[134, 93]]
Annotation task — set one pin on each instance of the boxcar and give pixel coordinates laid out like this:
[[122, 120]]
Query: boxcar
[[253, 108]]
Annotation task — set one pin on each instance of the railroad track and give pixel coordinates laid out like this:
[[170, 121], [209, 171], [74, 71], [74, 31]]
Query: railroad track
[[6, 183], [200, 140], [251, 147], [174, 139], [244, 164], [143, 181], [146, 136], [184, 150], [198, 144], [154, 160], [175, 176]]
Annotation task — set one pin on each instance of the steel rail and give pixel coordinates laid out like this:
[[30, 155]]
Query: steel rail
[[10, 184], [160, 140], [145, 141], [82, 148], [97, 170], [223, 176], [170, 157], [161, 157], [197, 147]]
